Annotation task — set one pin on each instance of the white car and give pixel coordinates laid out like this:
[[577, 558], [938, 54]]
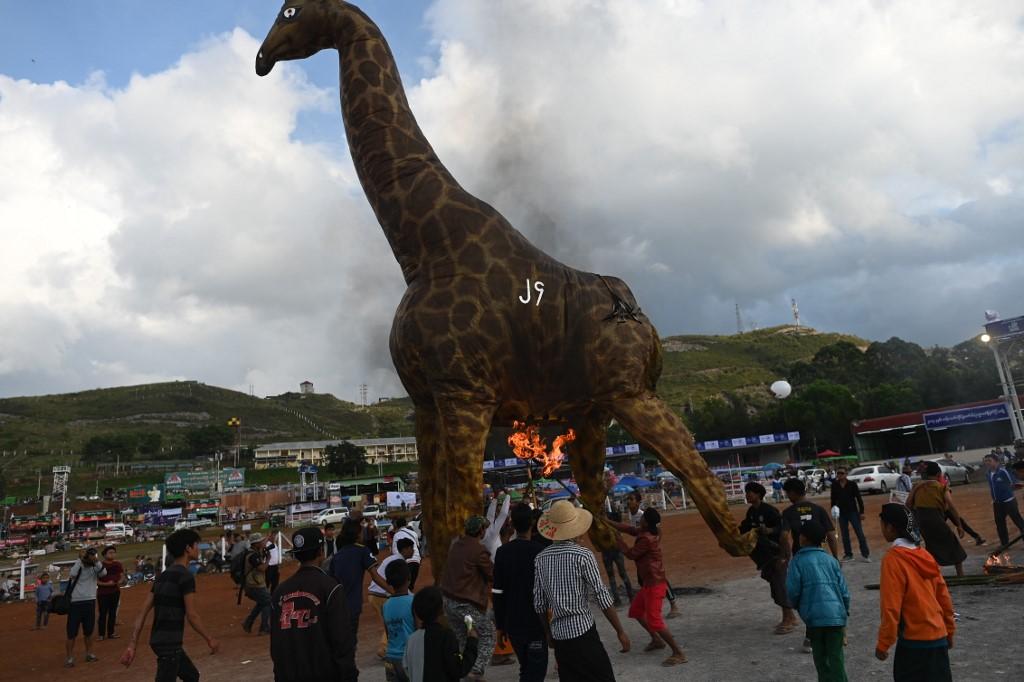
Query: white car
[[812, 475], [372, 511], [118, 530], [332, 515], [956, 471], [874, 478], [192, 523]]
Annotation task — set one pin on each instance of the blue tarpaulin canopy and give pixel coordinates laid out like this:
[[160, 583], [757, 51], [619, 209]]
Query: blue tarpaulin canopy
[[636, 482], [772, 466], [621, 489]]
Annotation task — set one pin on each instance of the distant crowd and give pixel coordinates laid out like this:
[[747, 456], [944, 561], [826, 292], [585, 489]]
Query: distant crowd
[[518, 587]]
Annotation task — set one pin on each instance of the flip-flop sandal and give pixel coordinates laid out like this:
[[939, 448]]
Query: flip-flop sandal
[[654, 647], [673, 660], [784, 629]]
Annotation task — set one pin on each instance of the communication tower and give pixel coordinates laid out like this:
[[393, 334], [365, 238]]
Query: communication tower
[[739, 320], [363, 390], [796, 312]]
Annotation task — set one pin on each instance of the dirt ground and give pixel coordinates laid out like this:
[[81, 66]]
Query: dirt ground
[[727, 634]]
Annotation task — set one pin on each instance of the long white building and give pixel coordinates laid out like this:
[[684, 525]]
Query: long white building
[[378, 451]]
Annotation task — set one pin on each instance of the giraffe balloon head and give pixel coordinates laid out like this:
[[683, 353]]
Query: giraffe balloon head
[[302, 29]]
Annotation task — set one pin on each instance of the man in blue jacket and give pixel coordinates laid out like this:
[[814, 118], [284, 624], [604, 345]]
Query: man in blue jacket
[[817, 589], [1000, 484]]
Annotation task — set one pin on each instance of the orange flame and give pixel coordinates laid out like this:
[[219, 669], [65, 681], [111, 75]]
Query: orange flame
[[1001, 564], [1001, 560], [527, 444]]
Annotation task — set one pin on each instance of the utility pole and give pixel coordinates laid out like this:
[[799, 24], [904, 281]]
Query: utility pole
[[39, 484]]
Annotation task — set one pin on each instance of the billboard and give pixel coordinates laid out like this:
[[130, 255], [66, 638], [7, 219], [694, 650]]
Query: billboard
[[94, 516], [1005, 329], [966, 415], [396, 500], [748, 441], [209, 507], [204, 480]]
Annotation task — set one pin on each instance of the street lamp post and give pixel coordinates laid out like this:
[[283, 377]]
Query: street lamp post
[[998, 331]]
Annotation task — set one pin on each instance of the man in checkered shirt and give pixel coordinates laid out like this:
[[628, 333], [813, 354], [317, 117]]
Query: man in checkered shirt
[[566, 580]]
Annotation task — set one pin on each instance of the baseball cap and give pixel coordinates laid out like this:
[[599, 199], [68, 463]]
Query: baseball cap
[[256, 537], [474, 524], [307, 540]]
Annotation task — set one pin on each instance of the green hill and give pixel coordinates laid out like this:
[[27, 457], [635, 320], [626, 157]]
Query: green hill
[[697, 367], [43, 430]]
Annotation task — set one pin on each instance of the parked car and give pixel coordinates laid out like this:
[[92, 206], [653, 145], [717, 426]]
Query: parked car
[[332, 515], [372, 511], [956, 471], [812, 475], [119, 530], [192, 523], [875, 478]]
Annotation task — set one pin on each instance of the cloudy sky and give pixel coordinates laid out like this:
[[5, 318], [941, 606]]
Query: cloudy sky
[[165, 214]]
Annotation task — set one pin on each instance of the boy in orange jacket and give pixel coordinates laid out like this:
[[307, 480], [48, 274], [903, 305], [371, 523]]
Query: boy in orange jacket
[[917, 612]]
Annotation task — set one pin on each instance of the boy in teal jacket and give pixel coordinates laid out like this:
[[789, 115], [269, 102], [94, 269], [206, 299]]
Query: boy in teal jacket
[[818, 591]]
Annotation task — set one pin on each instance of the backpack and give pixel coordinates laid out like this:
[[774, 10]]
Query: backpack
[[238, 567]]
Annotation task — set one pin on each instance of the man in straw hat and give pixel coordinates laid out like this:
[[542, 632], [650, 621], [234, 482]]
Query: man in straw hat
[[566, 577]]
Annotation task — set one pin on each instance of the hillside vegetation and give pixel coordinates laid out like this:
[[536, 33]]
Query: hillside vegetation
[[159, 418], [719, 384], [698, 367]]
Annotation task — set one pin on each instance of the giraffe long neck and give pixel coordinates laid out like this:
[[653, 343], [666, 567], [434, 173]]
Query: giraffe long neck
[[399, 171]]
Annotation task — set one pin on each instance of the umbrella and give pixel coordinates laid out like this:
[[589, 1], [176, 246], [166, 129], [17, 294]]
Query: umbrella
[[828, 453], [772, 466], [622, 489], [666, 474], [636, 482]]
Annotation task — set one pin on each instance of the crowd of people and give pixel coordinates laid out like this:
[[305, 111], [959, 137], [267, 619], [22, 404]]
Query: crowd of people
[[533, 588]]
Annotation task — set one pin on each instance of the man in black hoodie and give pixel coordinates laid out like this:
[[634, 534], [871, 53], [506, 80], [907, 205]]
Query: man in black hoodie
[[311, 637]]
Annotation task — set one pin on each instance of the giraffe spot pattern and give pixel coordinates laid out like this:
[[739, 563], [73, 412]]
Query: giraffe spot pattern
[[459, 336]]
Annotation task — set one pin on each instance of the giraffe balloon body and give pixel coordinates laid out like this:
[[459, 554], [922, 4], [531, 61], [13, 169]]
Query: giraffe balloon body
[[470, 347]]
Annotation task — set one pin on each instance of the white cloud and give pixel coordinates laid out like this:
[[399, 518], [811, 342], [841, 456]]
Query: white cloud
[[865, 157], [756, 150], [174, 228]]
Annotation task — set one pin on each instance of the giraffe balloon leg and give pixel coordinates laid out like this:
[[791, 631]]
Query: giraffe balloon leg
[[456, 491], [586, 458], [658, 429]]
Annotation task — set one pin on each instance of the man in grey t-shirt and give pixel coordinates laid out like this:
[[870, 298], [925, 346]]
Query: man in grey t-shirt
[[82, 611]]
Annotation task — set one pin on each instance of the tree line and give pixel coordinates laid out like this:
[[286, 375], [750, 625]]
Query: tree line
[[843, 383]]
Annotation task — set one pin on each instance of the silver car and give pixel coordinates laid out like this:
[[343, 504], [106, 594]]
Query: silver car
[[955, 471]]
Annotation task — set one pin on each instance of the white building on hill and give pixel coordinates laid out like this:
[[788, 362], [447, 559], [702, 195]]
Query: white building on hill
[[378, 451]]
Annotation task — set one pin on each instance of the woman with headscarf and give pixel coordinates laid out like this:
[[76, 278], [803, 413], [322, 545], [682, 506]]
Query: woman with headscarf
[[917, 612], [931, 501]]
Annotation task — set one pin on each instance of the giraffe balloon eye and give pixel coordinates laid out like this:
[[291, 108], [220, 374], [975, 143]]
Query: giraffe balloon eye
[[290, 12]]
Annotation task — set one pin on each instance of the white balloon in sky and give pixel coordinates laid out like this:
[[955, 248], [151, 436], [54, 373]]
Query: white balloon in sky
[[781, 389]]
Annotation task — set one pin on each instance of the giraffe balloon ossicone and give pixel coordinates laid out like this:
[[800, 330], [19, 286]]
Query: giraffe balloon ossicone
[[471, 348]]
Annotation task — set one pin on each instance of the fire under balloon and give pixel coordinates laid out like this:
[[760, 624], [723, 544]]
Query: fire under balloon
[[528, 444]]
